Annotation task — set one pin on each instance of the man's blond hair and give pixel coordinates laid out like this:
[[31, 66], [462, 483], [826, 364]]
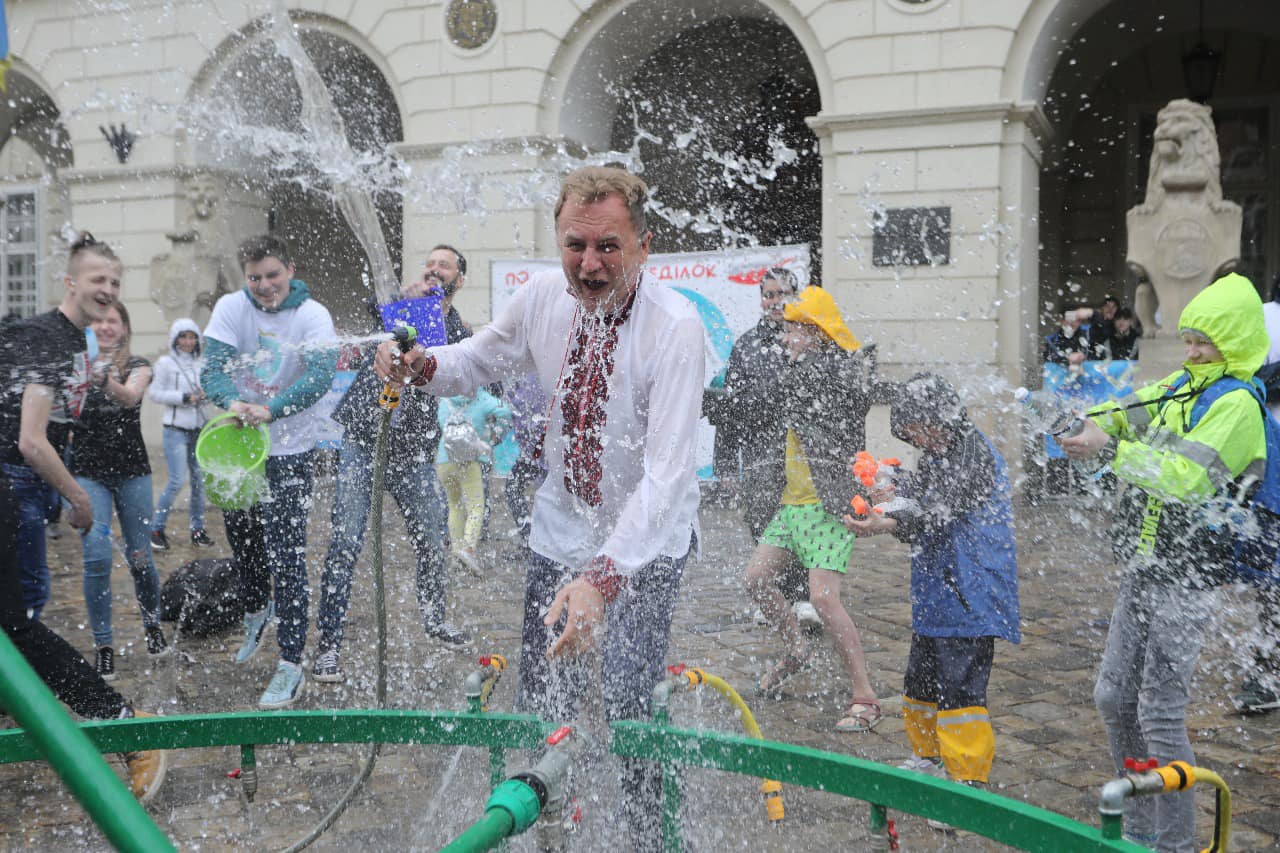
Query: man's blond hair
[[593, 183]]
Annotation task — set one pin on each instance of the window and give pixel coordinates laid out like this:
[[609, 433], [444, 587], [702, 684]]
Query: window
[[19, 280]]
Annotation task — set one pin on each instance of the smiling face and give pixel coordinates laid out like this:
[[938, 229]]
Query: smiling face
[[93, 286], [439, 273], [773, 295], [1200, 350], [600, 251], [268, 281], [187, 342], [110, 330]]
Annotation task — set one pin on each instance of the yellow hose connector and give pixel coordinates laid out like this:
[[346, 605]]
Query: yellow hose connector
[[770, 788]]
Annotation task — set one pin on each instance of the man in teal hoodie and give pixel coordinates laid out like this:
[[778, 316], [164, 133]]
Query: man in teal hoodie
[[270, 357]]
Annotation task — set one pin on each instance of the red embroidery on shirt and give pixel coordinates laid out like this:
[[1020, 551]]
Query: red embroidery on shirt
[[582, 406]]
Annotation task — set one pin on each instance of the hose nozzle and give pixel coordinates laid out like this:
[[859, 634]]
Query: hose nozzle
[[405, 336]]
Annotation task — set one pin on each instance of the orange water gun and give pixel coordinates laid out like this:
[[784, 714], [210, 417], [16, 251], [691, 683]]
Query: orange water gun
[[872, 473]]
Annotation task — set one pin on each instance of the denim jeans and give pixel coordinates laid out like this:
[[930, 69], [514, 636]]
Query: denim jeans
[[32, 494], [414, 486], [269, 542], [58, 664], [132, 499], [637, 631], [1143, 687], [180, 458]]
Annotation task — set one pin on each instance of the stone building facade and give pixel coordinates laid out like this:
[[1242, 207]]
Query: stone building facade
[[958, 166]]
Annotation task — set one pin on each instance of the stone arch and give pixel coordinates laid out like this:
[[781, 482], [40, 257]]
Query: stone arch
[[29, 112], [760, 73], [242, 119]]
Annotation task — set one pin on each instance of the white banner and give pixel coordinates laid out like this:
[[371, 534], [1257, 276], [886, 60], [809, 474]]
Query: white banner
[[724, 286]]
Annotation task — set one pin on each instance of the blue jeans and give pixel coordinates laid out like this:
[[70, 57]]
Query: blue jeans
[[132, 499], [180, 458], [269, 542], [414, 486], [637, 631], [1144, 685], [32, 494]]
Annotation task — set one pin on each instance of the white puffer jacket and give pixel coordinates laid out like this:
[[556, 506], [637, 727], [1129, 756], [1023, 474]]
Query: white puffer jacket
[[177, 375]]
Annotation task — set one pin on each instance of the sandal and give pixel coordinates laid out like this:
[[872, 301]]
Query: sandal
[[770, 684], [863, 716]]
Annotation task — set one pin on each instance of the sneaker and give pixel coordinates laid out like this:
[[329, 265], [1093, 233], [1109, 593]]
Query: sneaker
[[807, 615], [326, 668], [201, 538], [928, 766], [159, 542], [106, 663], [156, 643], [449, 634], [255, 625], [1254, 698], [285, 686], [467, 557], [146, 769], [759, 618]]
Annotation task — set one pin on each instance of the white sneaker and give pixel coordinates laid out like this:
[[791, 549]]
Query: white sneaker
[[467, 557], [807, 614], [928, 766], [759, 618]]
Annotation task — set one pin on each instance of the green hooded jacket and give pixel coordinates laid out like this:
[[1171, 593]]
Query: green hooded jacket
[[1172, 468]]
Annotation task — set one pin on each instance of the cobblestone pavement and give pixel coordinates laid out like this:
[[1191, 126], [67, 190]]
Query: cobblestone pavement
[[1050, 744]]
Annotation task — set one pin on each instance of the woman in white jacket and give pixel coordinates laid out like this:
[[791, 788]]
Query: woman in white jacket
[[177, 387]]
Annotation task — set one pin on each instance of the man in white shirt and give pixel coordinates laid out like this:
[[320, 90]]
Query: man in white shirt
[[621, 360]]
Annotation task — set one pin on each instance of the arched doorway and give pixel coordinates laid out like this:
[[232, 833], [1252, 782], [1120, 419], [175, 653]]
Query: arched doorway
[[245, 124], [34, 145], [712, 103], [1113, 74]]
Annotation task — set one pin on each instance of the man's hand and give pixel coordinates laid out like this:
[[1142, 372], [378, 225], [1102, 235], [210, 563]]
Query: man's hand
[[250, 414], [1088, 443], [873, 525], [585, 608], [402, 367]]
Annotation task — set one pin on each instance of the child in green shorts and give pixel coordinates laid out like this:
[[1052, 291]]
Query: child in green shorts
[[825, 407]]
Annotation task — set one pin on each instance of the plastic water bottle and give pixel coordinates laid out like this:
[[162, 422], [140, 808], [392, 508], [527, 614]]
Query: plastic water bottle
[[1050, 414]]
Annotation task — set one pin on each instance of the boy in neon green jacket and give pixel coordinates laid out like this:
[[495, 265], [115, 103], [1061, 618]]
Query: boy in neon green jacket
[[1173, 559]]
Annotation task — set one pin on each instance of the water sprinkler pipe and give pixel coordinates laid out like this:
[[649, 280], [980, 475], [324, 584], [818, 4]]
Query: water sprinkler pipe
[[1147, 778], [681, 677], [480, 682], [517, 803]]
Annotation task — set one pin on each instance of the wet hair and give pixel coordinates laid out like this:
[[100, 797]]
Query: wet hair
[[1124, 313], [462, 262], [86, 242], [594, 183], [926, 399], [784, 277], [260, 248]]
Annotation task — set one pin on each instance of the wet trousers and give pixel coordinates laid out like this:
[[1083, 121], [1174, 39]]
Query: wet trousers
[[637, 631], [414, 486], [58, 664], [131, 497], [1143, 687], [944, 703], [269, 542], [32, 494], [464, 487]]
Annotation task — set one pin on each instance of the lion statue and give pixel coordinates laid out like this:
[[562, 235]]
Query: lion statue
[[1184, 234]]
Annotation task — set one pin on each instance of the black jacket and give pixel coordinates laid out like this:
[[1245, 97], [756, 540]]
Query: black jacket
[[826, 398]]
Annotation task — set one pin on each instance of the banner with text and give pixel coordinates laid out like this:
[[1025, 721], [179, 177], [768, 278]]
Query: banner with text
[[724, 286]]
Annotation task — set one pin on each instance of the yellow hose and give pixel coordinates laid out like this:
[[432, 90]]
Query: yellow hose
[[1222, 814], [771, 788]]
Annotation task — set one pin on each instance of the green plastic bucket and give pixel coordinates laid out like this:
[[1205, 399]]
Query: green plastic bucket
[[233, 462]]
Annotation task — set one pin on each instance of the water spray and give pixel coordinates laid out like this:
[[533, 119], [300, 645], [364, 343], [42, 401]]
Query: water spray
[[1148, 778]]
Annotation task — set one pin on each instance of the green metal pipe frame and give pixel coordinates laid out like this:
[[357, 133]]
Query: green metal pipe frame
[[48, 731]]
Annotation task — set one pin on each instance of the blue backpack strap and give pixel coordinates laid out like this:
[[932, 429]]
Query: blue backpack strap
[[1224, 385]]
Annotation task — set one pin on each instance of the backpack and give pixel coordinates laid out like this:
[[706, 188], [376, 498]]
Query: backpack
[[461, 441], [203, 597], [1253, 506]]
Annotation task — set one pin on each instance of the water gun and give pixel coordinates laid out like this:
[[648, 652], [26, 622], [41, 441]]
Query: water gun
[[405, 336], [873, 474]]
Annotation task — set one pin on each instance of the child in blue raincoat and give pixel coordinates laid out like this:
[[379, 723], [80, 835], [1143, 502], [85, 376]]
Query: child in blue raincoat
[[956, 513]]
